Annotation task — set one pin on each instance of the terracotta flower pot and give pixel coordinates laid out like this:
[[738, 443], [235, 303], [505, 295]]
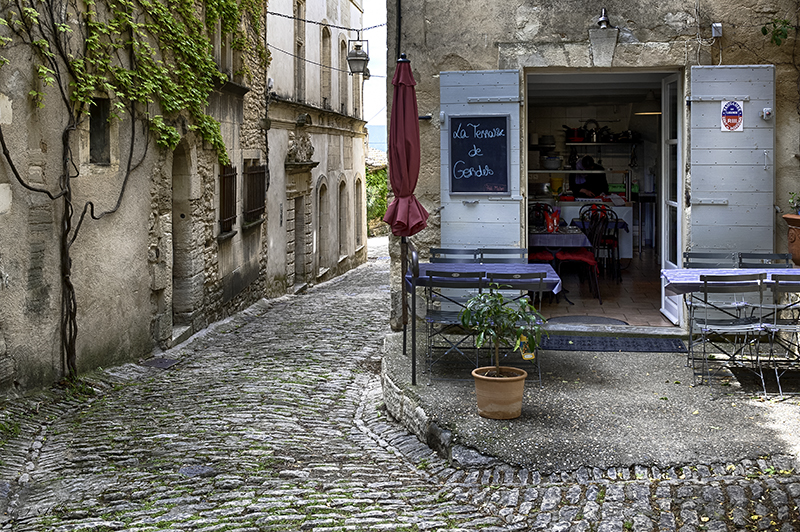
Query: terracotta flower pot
[[499, 397], [793, 221]]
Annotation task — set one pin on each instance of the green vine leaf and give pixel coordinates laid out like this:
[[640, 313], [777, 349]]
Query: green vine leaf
[[778, 30], [140, 52]]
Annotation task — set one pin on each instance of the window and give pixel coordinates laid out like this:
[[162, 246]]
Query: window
[[255, 192], [359, 213], [357, 96], [343, 77], [299, 51], [227, 199], [99, 131], [326, 68], [343, 225]]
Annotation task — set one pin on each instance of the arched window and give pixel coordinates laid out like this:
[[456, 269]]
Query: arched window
[[326, 69], [299, 50], [359, 206], [357, 111], [343, 78], [343, 219], [323, 225]]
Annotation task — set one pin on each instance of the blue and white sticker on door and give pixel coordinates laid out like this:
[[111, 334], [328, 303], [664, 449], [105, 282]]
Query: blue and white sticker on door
[[732, 116]]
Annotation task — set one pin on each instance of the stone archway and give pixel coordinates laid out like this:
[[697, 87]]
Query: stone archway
[[187, 264]]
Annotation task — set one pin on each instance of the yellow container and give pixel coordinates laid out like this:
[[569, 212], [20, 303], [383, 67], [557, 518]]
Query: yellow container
[[556, 184]]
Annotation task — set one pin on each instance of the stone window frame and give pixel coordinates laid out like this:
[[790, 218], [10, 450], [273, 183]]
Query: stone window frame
[[255, 183], [228, 177], [110, 134]]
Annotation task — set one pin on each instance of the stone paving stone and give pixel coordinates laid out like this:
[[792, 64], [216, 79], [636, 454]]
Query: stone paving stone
[[273, 419]]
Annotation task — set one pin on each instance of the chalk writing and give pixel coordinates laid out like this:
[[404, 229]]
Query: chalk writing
[[460, 172], [479, 154]]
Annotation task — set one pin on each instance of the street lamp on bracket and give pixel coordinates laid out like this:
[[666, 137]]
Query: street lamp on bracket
[[358, 56]]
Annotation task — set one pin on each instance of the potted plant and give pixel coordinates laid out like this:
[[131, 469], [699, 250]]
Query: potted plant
[[794, 202], [793, 221], [502, 322]]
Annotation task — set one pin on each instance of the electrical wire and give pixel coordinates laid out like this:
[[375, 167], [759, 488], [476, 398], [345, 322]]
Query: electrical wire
[[272, 46], [376, 114], [325, 23]]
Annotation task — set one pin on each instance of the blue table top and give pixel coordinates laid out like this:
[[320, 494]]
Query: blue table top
[[685, 280], [552, 281], [621, 224], [565, 237]]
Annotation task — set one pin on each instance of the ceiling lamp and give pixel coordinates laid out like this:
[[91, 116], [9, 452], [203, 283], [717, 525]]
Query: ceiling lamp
[[358, 56], [650, 106]]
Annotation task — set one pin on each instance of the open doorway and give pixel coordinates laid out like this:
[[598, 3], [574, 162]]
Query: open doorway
[[614, 120]]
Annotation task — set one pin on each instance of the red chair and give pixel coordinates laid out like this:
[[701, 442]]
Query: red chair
[[595, 230], [540, 255], [607, 247]]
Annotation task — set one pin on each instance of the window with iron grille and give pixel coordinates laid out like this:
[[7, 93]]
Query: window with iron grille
[[255, 187], [227, 198]]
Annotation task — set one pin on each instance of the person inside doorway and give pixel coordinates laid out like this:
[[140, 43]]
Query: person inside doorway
[[588, 185]]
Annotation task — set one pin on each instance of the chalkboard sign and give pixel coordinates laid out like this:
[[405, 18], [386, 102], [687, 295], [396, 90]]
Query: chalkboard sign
[[479, 154]]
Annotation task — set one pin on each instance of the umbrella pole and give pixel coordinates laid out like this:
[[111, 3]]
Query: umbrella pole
[[403, 266]]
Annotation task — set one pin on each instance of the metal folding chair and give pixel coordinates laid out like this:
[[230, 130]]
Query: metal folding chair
[[721, 327], [709, 259], [783, 324], [705, 260], [443, 255], [765, 260], [446, 295], [504, 255]]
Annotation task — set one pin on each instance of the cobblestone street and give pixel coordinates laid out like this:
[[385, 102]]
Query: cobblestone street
[[273, 420]]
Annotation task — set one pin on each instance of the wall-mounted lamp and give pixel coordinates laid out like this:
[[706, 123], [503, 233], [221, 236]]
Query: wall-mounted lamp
[[358, 56], [603, 20]]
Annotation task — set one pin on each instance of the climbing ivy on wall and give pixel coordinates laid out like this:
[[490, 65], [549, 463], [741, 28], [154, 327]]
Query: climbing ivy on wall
[[136, 52], [153, 59]]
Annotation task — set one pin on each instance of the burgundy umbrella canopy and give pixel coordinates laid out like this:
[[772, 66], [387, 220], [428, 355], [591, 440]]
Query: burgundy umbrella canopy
[[405, 214]]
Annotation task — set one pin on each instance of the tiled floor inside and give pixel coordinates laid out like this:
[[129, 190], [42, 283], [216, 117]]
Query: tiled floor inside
[[635, 300]]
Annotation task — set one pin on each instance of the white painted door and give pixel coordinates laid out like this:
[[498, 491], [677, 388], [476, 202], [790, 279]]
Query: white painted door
[[481, 196], [732, 158], [671, 189]]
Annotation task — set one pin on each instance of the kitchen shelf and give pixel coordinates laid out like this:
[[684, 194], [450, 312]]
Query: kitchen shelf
[[600, 143], [545, 171]]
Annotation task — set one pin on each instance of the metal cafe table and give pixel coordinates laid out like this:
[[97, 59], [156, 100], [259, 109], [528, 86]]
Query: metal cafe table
[[679, 281], [552, 283], [685, 281]]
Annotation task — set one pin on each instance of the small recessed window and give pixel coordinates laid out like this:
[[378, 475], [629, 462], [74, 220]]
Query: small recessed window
[[99, 131]]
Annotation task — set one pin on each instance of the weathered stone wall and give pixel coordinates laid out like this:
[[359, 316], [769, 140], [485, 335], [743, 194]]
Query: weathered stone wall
[[562, 36]]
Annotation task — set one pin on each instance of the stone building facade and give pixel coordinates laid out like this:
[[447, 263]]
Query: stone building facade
[[192, 240], [548, 67], [316, 138]]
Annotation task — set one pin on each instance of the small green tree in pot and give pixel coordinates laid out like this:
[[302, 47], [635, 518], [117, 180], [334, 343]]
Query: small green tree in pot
[[512, 323]]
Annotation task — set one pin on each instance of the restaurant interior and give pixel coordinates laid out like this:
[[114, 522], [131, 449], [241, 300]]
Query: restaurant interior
[[616, 119]]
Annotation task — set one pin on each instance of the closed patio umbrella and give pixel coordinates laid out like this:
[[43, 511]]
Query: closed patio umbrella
[[405, 214]]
